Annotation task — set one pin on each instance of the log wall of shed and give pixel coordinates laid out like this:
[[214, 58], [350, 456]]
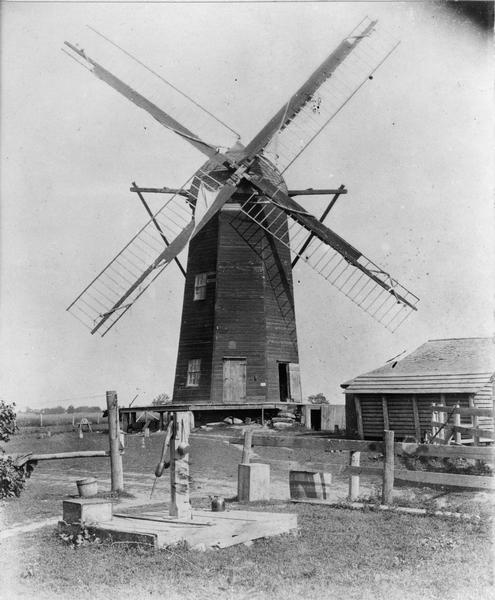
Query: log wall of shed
[[399, 415]]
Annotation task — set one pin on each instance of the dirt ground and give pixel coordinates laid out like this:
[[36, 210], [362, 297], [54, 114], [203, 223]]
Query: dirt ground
[[213, 463]]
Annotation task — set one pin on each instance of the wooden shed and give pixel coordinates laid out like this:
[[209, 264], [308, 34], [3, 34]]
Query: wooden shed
[[399, 395]]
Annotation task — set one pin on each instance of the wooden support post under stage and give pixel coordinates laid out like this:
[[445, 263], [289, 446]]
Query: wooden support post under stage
[[116, 469], [180, 505], [307, 416]]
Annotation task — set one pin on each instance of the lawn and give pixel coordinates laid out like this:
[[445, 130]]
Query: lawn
[[338, 553]]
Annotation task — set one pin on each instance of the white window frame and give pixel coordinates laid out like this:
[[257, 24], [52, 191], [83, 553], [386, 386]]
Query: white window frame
[[193, 372], [200, 282]]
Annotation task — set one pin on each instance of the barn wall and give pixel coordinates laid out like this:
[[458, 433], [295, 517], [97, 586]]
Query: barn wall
[[400, 412]]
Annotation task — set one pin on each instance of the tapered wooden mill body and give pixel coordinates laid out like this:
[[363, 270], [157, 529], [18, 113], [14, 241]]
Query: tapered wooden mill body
[[238, 341]]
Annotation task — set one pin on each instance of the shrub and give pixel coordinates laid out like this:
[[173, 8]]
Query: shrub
[[12, 478]]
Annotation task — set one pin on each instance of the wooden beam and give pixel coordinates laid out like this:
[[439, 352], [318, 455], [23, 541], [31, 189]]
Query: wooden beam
[[388, 468], [157, 225], [417, 423], [337, 193], [385, 412], [465, 410], [116, 469], [354, 460], [163, 190], [180, 505], [246, 451], [359, 415], [318, 192], [449, 479]]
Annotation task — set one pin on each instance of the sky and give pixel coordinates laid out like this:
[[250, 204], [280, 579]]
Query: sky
[[414, 149]]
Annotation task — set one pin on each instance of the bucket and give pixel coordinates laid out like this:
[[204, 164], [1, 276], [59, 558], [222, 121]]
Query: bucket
[[87, 487]]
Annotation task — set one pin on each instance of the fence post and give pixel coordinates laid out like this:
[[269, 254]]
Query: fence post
[[354, 461], [116, 470], [41, 419], [246, 450], [388, 468], [434, 418], [443, 416], [457, 422]]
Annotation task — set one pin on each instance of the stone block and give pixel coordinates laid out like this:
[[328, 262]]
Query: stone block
[[253, 482], [87, 510]]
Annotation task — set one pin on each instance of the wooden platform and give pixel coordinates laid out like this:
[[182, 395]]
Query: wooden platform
[[206, 529]]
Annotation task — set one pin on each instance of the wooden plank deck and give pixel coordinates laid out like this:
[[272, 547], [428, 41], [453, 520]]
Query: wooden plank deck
[[206, 530]]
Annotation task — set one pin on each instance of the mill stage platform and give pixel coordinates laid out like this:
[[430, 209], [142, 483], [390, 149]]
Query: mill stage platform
[[203, 412]]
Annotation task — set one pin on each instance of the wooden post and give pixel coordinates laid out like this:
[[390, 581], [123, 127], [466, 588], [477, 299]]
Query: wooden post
[[388, 468], [442, 417], [434, 417], [385, 412], [307, 416], [476, 437], [417, 424], [41, 419], [180, 506], [73, 420], [262, 416], [116, 470], [246, 451], [359, 415], [354, 461], [457, 421]]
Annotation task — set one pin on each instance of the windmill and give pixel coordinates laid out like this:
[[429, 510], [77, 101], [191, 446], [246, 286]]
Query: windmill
[[238, 341]]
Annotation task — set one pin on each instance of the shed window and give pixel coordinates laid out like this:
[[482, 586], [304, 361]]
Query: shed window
[[200, 286], [193, 372]]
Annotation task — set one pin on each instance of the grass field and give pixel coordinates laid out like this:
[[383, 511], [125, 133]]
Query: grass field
[[57, 420], [338, 553]]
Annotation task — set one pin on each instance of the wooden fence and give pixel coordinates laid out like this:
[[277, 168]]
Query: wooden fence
[[390, 450], [446, 425]]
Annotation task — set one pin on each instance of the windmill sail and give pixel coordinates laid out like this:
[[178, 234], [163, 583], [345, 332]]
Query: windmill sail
[[155, 111], [345, 267], [326, 92], [110, 295]]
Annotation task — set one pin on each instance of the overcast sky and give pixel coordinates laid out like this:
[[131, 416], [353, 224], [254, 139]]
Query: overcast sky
[[413, 148]]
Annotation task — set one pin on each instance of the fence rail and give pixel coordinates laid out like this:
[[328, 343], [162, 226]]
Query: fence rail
[[390, 450]]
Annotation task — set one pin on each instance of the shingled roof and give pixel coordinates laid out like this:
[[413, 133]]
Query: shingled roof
[[456, 365]]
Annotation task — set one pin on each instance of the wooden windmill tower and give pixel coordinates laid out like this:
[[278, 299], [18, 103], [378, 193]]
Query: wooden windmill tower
[[238, 341]]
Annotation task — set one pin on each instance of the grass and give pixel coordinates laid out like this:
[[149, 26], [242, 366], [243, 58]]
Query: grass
[[337, 554]]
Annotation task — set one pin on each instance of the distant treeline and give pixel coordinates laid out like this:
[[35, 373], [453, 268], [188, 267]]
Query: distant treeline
[[57, 410]]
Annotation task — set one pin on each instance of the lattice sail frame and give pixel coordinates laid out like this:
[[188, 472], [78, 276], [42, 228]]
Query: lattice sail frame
[[382, 302], [113, 291], [332, 95]]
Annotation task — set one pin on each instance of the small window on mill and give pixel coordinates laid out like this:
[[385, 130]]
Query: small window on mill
[[193, 372], [200, 286]]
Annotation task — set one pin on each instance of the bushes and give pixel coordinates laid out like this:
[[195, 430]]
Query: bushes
[[12, 478]]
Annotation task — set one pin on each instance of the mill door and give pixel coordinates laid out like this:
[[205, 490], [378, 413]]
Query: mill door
[[234, 380]]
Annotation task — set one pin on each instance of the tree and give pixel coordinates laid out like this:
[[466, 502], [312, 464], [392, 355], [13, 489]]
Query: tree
[[12, 478], [70, 409], [318, 399], [161, 399]]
